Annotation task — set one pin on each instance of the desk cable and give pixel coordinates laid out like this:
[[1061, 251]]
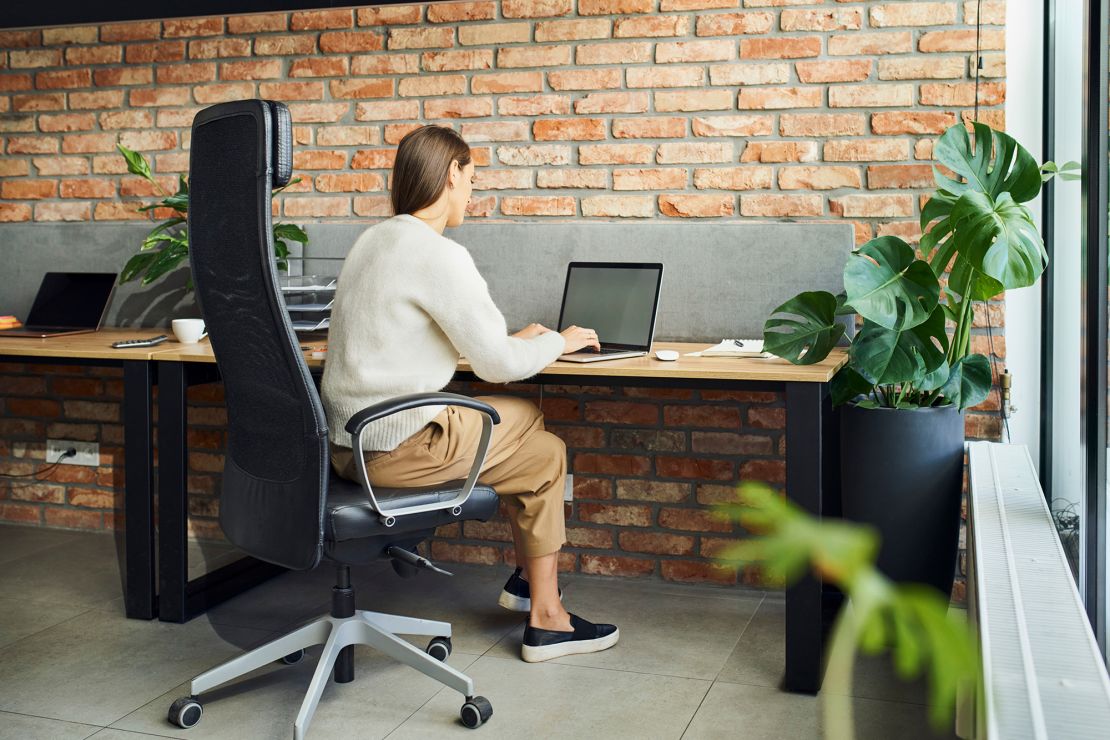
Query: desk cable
[[71, 452]]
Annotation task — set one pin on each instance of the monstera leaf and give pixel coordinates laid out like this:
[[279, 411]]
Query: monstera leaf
[[886, 283], [804, 329], [969, 381], [847, 384], [1011, 170], [999, 238], [885, 357]]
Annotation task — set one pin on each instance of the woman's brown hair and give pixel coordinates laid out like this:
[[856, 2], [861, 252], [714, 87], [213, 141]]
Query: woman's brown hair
[[423, 162]]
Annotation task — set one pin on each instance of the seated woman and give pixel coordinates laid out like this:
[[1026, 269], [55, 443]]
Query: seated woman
[[409, 302]]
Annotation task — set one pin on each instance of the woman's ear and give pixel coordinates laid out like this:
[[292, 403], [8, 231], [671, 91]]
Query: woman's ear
[[454, 172]]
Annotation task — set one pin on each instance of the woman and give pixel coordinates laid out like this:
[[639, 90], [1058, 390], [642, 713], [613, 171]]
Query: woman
[[410, 301]]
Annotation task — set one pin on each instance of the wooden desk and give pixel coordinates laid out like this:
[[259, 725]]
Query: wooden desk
[[812, 463], [138, 422]]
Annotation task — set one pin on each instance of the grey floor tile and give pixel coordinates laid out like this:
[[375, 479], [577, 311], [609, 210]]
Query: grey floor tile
[[109, 733], [24, 727], [754, 713], [17, 541], [264, 704], [554, 701], [208, 556], [278, 604], [685, 631], [877, 720], [20, 618], [82, 571], [97, 667]]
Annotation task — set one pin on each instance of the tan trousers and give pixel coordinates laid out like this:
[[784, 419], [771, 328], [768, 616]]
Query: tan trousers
[[525, 464]]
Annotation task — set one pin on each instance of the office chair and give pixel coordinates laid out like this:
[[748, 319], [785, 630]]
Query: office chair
[[280, 500]]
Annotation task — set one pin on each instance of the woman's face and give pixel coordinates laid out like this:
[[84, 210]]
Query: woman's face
[[460, 185]]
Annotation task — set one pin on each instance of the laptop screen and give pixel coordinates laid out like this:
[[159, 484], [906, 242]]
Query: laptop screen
[[72, 299], [616, 299]]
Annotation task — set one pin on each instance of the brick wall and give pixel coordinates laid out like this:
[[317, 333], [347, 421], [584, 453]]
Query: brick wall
[[595, 109]]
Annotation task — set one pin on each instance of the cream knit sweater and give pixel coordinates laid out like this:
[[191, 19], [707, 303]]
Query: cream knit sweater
[[409, 302]]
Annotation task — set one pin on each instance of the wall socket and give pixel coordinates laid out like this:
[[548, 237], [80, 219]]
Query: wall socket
[[88, 453], [568, 492]]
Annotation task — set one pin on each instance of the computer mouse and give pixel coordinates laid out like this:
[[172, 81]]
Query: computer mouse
[[666, 354]]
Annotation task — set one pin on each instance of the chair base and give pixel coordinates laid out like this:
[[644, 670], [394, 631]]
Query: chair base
[[377, 630]]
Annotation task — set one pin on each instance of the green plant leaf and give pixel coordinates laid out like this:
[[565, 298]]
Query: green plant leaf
[[983, 287], [1011, 169], [136, 162], [804, 329], [886, 284], [291, 232], [136, 265], [182, 184], [887, 357], [969, 381], [934, 379], [165, 261], [999, 238], [847, 385], [158, 233]]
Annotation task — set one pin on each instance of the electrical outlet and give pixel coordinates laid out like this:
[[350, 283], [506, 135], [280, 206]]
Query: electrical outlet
[[88, 453], [568, 492]]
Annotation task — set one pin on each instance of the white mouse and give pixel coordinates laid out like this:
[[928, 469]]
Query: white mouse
[[668, 355]]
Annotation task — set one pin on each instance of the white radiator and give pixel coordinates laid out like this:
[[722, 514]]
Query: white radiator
[[1043, 673]]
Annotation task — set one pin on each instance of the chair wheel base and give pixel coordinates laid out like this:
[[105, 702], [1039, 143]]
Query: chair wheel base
[[439, 648], [293, 658], [476, 712], [186, 712]]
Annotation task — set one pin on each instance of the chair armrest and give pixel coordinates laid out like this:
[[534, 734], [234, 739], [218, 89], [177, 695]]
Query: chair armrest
[[356, 425], [412, 401]]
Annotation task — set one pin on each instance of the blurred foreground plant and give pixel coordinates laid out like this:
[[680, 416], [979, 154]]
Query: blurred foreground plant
[[910, 619]]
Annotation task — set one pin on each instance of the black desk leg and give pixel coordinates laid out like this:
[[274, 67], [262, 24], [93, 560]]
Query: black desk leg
[[173, 565], [806, 460], [138, 511]]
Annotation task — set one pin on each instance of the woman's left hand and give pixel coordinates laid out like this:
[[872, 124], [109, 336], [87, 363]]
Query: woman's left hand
[[531, 331]]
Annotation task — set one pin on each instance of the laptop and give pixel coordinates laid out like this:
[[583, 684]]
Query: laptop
[[618, 300], [67, 303]]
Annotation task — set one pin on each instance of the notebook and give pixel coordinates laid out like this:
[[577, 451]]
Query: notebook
[[734, 348], [619, 300]]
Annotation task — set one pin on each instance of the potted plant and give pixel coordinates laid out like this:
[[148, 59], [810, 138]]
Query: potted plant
[[167, 244], [908, 379]]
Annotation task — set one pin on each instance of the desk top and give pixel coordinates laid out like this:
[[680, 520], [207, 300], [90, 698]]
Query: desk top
[[692, 368], [92, 346]]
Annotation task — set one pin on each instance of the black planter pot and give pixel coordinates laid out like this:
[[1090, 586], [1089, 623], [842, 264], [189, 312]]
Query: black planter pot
[[902, 473]]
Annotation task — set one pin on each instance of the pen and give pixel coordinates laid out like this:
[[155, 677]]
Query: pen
[[737, 342]]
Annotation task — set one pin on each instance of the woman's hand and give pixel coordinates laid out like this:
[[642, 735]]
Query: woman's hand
[[531, 331], [577, 338]]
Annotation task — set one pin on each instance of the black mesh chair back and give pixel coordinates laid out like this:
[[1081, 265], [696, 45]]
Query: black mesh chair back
[[276, 470]]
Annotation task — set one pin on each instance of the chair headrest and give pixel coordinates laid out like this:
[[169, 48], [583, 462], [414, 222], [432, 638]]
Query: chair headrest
[[283, 143]]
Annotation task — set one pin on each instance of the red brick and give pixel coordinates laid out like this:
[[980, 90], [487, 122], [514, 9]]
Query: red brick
[[744, 125], [163, 51], [649, 179], [656, 77], [768, 471], [835, 70], [32, 407], [10, 82], [317, 207], [615, 153], [577, 179], [532, 205], [732, 178], [179, 27], [294, 90], [913, 14], [908, 231], [611, 565], [349, 182], [900, 176], [36, 58], [780, 151], [219, 48], [61, 211], [456, 553], [259, 70], [533, 56], [87, 189], [921, 68], [942, 41], [694, 51], [701, 416], [359, 88], [92, 499], [107, 211], [130, 31], [596, 489], [622, 412], [692, 467], [870, 96], [871, 206], [495, 131], [600, 539], [651, 26], [666, 5], [502, 179], [20, 168], [572, 30], [432, 85], [763, 417], [585, 462], [63, 79], [614, 7], [258, 23], [629, 52], [693, 520], [747, 73], [374, 159], [28, 513], [694, 152], [692, 100], [539, 105], [867, 44], [994, 12], [780, 47], [962, 93], [911, 122], [186, 73], [345, 42], [568, 129], [219, 93], [445, 61], [49, 101], [373, 206], [458, 108], [688, 571], [584, 79], [70, 35], [32, 145], [535, 8], [864, 150], [387, 110], [824, 177], [505, 82], [388, 16], [146, 140], [67, 122], [780, 97], [734, 24], [696, 206], [73, 518], [781, 205], [495, 33], [313, 20], [650, 490], [840, 19], [124, 76], [453, 12], [657, 543], [285, 45], [421, 38], [649, 128], [625, 515]]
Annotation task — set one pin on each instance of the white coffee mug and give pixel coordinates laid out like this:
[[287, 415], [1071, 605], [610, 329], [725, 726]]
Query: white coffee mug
[[189, 331]]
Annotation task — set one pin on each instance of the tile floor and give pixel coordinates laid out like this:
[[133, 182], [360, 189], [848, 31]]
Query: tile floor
[[693, 662]]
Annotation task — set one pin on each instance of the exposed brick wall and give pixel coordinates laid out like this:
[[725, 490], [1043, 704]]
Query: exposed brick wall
[[595, 109]]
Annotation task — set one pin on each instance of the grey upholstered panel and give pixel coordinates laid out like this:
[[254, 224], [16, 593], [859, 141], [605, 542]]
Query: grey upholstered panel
[[720, 279]]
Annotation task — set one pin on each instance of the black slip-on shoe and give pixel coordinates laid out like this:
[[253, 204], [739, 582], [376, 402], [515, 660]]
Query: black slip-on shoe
[[587, 637], [517, 596]]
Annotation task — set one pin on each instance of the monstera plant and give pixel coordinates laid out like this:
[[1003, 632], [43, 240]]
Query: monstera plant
[[167, 244], [910, 371]]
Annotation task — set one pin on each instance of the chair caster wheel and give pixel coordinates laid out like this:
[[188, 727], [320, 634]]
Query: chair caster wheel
[[439, 648], [293, 658], [185, 712], [476, 712]]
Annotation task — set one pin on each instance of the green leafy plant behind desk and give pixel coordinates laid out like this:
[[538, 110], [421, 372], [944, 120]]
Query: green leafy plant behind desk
[[167, 244], [981, 234]]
